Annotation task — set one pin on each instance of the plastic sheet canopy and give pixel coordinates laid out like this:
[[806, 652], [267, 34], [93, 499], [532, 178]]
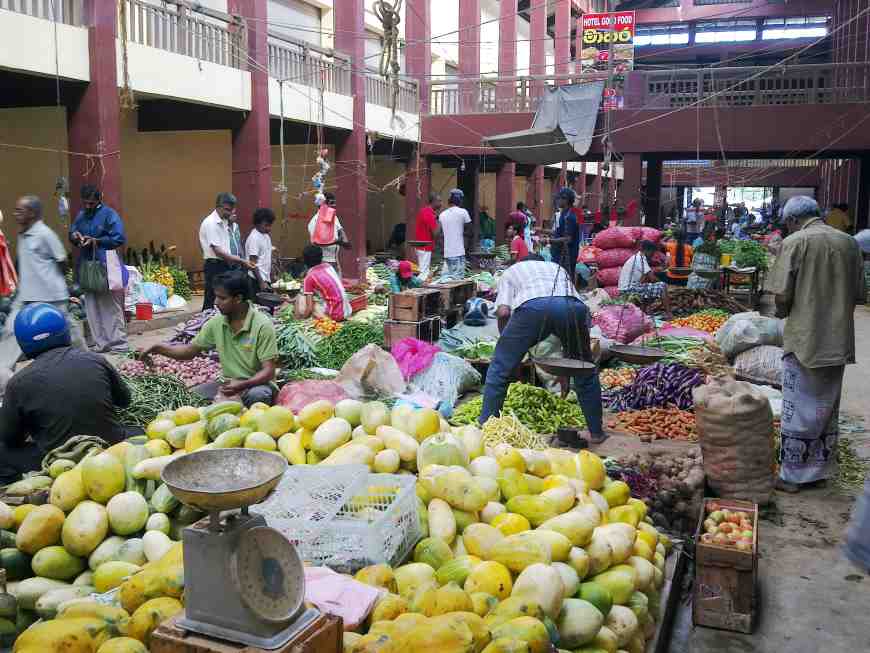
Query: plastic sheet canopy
[[561, 130]]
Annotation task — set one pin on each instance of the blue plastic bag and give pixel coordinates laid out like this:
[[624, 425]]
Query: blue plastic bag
[[155, 293]]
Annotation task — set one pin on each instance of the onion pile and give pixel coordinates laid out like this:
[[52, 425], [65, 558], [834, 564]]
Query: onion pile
[[201, 369]]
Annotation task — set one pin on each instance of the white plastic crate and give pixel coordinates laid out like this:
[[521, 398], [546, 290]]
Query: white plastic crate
[[379, 524], [309, 496]]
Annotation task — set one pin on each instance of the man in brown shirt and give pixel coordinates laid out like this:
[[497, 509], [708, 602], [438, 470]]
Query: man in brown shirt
[[817, 281]]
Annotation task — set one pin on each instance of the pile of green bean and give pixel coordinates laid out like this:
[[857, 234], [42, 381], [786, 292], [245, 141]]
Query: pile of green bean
[[537, 408], [679, 348], [154, 393], [334, 351]]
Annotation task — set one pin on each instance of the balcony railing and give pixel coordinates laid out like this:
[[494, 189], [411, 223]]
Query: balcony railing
[[298, 62], [69, 12], [380, 92], [753, 86], [490, 94], [172, 27]]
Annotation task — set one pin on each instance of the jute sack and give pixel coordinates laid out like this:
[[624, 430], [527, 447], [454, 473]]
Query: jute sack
[[735, 429]]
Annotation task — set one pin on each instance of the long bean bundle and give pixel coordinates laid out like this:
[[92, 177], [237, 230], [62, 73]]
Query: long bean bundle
[[679, 348], [154, 393]]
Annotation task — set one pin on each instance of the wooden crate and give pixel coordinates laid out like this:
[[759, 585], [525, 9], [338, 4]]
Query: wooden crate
[[414, 305], [454, 293], [428, 330], [324, 635], [452, 317], [725, 577]]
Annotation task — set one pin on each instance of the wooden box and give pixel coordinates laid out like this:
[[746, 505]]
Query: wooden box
[[726, 577], [428, 330], [324, 635], [414, 305], [452, 317], [454, 293]]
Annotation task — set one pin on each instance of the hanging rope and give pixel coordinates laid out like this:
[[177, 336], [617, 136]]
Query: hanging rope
[[389, 15], [127, 99]]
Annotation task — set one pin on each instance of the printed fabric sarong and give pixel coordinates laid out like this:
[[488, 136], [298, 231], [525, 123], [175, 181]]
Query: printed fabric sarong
[[810, 412]]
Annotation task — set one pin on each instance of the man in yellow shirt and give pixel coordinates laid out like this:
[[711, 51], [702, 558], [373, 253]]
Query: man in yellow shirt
[[838, 218]]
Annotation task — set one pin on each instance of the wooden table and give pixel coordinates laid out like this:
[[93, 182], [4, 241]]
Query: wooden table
[[754, 275]]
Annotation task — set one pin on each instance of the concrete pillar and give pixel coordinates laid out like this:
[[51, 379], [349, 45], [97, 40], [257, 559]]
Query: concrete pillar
[[535, 192], [252, 155], [469, 54], [350, 152], [505, 200], [418, 51], [94, 124], [632, 170], [862, 209], [467, 180], [652, 203], [537, 47], [417, 185], [563, 38], [505, 92], [596, 189]]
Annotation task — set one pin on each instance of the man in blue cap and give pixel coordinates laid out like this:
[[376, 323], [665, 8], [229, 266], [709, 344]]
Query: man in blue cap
[[453, 220], [565, 226], [63, 392]]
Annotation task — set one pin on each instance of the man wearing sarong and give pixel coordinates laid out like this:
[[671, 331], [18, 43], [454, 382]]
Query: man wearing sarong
[[817, 280]]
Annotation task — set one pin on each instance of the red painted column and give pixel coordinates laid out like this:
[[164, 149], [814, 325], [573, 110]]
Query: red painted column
[[350, 153], [535, 192], [563, 38], [94, 124], [537, 47], [418, 51], [652, 203], [596, 200], [505, 92], [632, 170], [417, 185], [252, 155], [469, 54], [505, 200]]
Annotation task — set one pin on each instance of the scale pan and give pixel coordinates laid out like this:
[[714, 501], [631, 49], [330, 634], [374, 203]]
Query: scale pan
[[565, 366], [634, 354], [223, 479]]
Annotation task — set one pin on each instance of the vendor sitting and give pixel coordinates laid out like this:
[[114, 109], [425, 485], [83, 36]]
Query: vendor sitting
[[245, 341], [516, 237], [638, 278], [62, 393], [537, 299], [323, 281], [404, 278]]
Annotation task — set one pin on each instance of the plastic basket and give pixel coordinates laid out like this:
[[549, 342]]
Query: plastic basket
[[309, 496], [377, 525]]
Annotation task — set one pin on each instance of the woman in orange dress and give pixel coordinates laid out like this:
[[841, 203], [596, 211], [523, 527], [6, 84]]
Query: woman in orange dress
[[679, 256]]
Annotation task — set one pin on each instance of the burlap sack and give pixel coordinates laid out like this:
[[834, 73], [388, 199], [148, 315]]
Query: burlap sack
[[735, 429]]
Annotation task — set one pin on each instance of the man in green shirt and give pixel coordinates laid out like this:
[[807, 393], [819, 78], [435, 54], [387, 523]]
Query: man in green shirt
[[245, 341]]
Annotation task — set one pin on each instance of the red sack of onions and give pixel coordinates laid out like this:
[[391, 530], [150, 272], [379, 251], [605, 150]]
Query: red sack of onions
[[614, 237], [614, 258]]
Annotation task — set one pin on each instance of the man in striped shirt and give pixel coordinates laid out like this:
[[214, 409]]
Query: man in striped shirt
[[537, 299]]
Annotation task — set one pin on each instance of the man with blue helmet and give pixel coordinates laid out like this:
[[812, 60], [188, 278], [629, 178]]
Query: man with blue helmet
[[62, 393]]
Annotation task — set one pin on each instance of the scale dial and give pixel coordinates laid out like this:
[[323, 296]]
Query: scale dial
[[269, 575]]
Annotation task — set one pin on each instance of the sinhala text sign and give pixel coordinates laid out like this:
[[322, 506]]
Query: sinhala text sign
[[603, 34]]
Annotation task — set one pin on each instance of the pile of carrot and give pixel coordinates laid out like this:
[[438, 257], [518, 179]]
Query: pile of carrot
[[709, 320], [651, 424], [617, 377]]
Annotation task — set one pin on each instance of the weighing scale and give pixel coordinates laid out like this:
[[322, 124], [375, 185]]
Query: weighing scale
[[244, 581]]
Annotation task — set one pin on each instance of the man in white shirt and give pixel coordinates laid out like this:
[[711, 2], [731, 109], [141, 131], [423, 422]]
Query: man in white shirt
[[694, 220], [637, 277], [258, 247], [537, 299], [453, 221], [334, 230], [214, 239]]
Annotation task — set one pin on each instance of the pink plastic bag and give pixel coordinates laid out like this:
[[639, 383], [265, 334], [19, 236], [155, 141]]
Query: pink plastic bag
[[413, 356], [622, 322], [588, 254], [296, 396], [648, 233], [340, 595], [609, 276], [614, 237], [614, 258], [636, 233]]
